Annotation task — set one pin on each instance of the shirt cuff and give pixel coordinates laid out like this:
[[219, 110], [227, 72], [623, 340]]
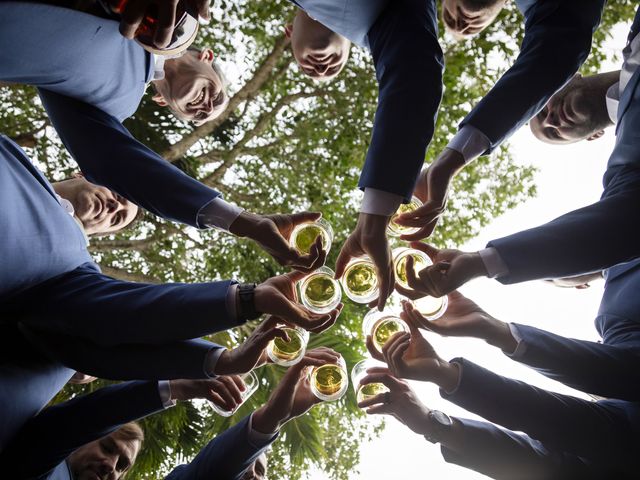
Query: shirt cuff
[[379, 202], [230, 301], [219, 213], [493, 263], [211, 360], [459, 379], [521, 347], [470, 142], [259, 439], [164, 390], [612, 101]]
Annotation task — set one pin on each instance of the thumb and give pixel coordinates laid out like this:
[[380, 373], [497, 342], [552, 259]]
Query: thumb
[[342, 261]]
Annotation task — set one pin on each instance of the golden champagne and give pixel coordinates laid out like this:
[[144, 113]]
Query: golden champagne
[[304, 236], [283, 352], [320, 290], [360, 281], [385, 328], [420, 261], [396, 230], [431, 307], [329, 382], [370, 390]]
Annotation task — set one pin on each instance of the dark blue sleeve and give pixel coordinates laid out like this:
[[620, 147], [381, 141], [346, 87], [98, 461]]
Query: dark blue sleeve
[[184, 359], [48, 438], [586, 240], [606, 370], [108, 312], [506, 455], [226, 457], [108, 155], [556, 43], [409, 63], [560, 422]]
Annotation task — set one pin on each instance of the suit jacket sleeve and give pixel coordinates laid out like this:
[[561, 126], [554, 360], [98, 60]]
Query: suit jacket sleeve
[[108, 155], [184, 359], [226, 457], [560, 422], [48, 438], [557, 41], [605, 370], [502, 454], [586, 240], [86, 304], [410, 88]]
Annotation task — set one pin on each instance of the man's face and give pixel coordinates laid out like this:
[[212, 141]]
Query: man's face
[[105, 459], [258, 470], [320, 52], [99, 209], [464, 20], [191, 88], [572, 114]]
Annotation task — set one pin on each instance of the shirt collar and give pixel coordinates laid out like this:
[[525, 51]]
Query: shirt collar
[[68, 207], [613, 100], [158, 66]]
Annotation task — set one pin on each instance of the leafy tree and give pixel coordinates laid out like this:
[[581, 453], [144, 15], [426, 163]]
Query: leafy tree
[[286, 143]]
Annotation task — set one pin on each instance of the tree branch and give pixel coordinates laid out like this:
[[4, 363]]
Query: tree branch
[[122, 274]]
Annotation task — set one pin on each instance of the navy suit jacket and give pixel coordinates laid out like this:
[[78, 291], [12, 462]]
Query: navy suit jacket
[[90, 78], [49, 283], [594, 237], [608, 369], [28, 381], [603, 433], [556, 43], [410, 85]]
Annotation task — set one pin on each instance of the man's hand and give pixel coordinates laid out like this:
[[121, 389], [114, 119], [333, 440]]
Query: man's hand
[[370, 238], [277, 296], [293, 396], [224, 391], [464, 318], [251, 353], [165, 13], [400, 401], [432, 188], [272, 233], [450, 270]]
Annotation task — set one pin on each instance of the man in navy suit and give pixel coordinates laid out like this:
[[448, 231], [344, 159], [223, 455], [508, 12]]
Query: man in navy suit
[[561, 423], [410, 89], [557, 41], [90, 78], [84, 426]]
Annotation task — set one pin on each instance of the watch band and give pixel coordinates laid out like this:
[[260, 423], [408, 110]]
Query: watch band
[[440, 423], [246, 302]]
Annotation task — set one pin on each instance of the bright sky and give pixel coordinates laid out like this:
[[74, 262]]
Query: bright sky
[[569, 177]]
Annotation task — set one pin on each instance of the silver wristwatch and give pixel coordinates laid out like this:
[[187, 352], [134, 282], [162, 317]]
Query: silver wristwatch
[[440, 422]]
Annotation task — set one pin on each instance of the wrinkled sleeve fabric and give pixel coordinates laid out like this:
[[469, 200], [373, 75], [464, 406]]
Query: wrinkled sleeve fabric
[[506, 455], [409, 63], [556, 43], [606, 370], [560, 422], [226, 457], [48, 438], [87, 304], [108, 155]]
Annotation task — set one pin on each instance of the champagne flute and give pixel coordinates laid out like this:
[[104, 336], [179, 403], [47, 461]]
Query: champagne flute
[[251, 383], [396, 230], [287, 353], [382, 326], [330, 381], [305, 234], [320, 292], [369, 390], [360, 281]]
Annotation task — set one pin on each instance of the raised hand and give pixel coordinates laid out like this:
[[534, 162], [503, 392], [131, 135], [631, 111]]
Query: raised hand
[[292, 397], [409, 355], [272, 233], [370, 238], [432, 188], [165, 12], [400, 401], [224, 391], [450, 270], [277, 296]]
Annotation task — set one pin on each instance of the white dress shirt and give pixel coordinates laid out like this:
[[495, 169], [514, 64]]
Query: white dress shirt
[[631, 56]]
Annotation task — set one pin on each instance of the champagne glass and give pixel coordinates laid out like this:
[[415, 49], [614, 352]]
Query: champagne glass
[[358, 372], [330, 381], [287, 353], [431, 308], [319, 291], [360, 281], [305, 234], [382, 326], [251, 383], [396, 230]]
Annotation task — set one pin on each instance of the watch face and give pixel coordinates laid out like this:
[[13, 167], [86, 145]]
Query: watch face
[[441, 418]]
